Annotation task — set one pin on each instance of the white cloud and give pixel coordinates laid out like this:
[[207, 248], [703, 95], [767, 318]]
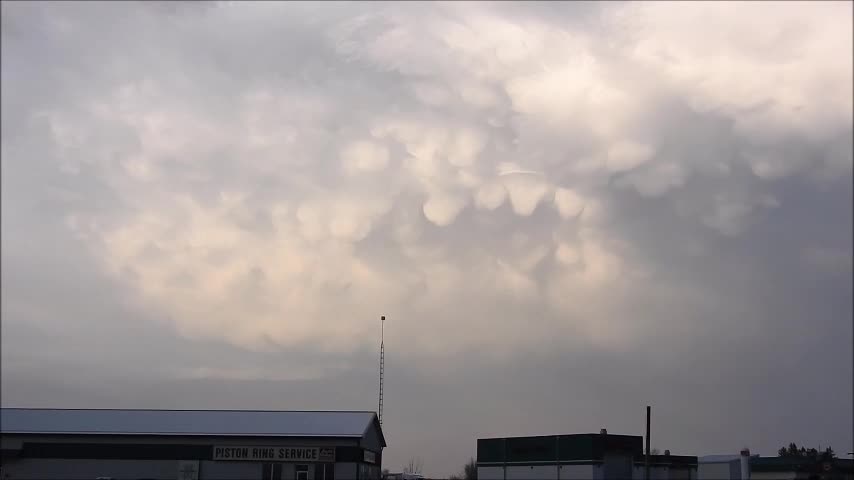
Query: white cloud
[[274, 196], [465, 147], [364, 156], [567, 255], [656, 180], [569, 203], [627, 155], [490, 196], [525, 191], [442, 208]]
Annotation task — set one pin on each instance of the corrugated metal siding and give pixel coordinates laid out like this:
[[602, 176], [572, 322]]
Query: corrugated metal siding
[[51, 469], [185, 422], [490, 473], [579, 472], [539, 472]]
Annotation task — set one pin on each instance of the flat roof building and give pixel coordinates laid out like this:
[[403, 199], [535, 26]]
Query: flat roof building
[[579, 456], [755, 467], [86, 444]]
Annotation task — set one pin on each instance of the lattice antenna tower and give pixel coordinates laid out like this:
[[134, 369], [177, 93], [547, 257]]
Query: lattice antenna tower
[[382, 367]]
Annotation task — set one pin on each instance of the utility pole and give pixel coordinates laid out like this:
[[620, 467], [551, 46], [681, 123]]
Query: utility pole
[[646, 457]]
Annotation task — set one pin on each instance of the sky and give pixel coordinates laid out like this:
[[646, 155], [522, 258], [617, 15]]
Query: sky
[[566, 212]]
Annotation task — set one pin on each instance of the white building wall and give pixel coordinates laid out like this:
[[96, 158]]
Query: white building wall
[[532, 472], [773, 475], [719, 471], [210, 470], [576, 472], [665, 473], [540, 472], [87, 469], [486, 473]]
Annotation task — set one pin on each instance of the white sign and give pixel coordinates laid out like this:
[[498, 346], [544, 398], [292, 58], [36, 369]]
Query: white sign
[[370, 457], [188, 470], [259, 453]]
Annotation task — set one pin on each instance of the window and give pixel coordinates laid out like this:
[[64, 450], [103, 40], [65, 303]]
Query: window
[[324, 471], [271, 471], [302, 472]]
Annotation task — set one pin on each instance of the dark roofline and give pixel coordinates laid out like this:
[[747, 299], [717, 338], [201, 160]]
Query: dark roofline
[[172, 434], [191, 413], [564, 436], [375, 422], [145, 434], [668, 460], [185, 410]]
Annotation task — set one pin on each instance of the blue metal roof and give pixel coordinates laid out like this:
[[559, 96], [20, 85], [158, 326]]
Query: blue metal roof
[[187, 422]]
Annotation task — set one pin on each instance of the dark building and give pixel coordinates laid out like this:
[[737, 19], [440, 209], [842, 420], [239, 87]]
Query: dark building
[[579, 456], [49, 444], [801, 468]]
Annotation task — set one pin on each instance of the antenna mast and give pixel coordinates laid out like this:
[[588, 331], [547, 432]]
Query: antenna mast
[[382, 367]]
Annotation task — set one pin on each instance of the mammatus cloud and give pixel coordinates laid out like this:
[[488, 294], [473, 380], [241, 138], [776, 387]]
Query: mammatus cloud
[[599, 202], [389, 164]]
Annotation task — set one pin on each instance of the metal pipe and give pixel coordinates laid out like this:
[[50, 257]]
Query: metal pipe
[[646, 457], [744, 463]]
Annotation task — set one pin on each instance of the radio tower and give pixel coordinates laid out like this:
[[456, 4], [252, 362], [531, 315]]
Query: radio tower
[[382, 367]]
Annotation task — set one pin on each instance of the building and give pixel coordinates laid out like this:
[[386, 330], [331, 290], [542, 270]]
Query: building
[[755, 467], [580, 456], [666, 467], [403, 476], [82, 444], [720, 467]]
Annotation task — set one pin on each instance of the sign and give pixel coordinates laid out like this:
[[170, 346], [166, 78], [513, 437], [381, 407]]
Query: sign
[[188, 470], [370, 457], [261, 453]]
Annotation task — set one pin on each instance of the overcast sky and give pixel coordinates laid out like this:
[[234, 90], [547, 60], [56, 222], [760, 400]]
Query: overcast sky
[[567, 212]]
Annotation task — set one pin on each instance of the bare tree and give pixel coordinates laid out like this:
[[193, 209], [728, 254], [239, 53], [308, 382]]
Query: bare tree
[[470, 470], [414, 466]]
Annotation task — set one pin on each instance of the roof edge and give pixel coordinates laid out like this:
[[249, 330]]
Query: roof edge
[[180, 410]]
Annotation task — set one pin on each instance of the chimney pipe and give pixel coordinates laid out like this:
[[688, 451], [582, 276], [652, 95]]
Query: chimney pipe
[[745, 464], [646, 457]]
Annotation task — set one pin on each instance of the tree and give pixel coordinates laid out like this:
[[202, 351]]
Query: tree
[[654, 451], [470, 470], [793, 451], [413, 466]]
